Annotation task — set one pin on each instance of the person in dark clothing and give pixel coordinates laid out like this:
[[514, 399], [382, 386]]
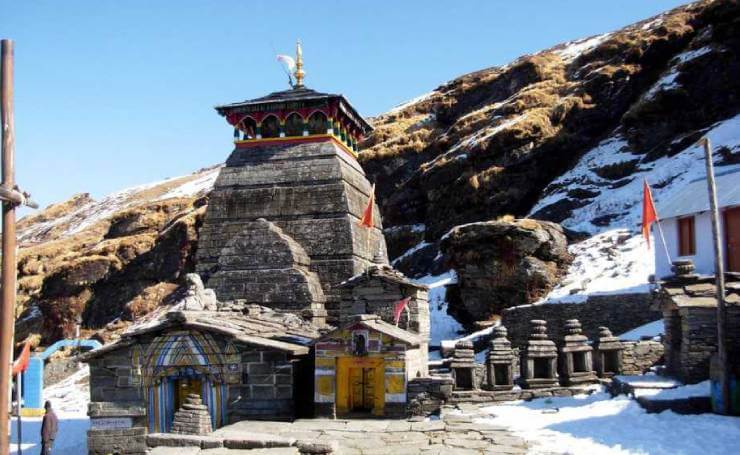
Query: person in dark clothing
[[49, 427]]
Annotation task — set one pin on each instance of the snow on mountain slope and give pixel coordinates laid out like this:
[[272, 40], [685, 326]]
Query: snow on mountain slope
[[36, 228], [616, 258]]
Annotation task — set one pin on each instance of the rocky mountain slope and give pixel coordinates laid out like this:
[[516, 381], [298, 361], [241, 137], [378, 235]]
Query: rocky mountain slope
[[565, 135], [491, 142], [107, 261]]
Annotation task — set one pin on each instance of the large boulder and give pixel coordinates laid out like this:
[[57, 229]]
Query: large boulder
[[503, 263]]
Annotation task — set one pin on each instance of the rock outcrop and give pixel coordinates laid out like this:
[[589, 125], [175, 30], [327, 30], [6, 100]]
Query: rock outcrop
[[503, 263]]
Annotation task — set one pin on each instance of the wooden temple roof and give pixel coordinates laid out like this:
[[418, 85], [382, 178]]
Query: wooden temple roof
[[374, 322], [295, 98]]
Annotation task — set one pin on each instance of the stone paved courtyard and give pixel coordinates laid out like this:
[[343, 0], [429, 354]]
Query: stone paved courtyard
[[454, 433]]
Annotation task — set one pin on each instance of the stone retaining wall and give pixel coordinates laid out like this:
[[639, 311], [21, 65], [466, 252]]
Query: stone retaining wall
[[129, 441], [427, 395], [620, 313], [639, 356]]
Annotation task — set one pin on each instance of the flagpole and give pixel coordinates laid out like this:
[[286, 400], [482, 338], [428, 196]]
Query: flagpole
[[649, 194], [665, 245], [18, 398]]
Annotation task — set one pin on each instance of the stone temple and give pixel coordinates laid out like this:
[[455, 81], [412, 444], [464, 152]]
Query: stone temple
[[282, 226], [308, 319]]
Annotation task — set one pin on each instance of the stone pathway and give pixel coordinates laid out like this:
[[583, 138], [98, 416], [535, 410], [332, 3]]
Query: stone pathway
[[453, 434]]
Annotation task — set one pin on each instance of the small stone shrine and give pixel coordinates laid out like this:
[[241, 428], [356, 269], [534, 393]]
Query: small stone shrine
[[192, 417], [363, 368], [575, 356], [377, 291], [689, 306], [462, 366], [539, 358], [500, 361], [607, 354]]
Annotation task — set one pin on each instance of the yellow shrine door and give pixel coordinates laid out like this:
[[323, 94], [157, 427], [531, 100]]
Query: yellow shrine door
[[360, 385], [362, 389]]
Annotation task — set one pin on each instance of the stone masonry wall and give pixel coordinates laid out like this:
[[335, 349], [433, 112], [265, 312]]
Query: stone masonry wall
[[314, 192], [639, 356], [620, 313], [697, 329], [266, 389], [121, 441]]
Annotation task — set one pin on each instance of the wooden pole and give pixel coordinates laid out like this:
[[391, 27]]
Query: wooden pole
[[719, 272], [8, 271], [18, 400]]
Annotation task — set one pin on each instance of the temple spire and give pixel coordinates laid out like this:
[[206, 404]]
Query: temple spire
[[299, 74]]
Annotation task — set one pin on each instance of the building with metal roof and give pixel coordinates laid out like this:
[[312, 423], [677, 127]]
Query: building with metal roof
[[687, 225]]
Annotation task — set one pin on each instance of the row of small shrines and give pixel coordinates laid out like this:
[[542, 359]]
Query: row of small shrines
[[542, 363]]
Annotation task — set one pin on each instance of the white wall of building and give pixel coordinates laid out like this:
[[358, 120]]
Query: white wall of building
[[704, 257]]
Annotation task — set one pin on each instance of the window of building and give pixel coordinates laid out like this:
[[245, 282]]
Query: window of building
[[271, 127], [317, 123], [686, 237], [294, 125], [248, 127]]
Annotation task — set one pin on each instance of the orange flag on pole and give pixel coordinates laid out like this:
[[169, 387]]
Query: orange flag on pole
[[367, 215], [21, 363], [649, 215]]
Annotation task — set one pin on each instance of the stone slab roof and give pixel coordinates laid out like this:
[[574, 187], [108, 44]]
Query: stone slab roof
[[698, 292], [693, 197], [373, 322], [383, 272], [255, 325]]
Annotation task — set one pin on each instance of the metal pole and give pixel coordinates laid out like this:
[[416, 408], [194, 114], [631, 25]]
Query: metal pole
[[8, 270], [719, 272]]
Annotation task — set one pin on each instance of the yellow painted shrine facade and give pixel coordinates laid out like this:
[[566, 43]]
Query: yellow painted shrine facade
[[363, 368]]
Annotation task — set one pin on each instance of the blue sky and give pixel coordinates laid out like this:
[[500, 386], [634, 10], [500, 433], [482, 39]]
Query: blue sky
[[111, 94]]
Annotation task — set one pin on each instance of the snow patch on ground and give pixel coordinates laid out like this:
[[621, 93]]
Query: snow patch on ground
[[650, 330], [410, 251], [702, 389], [404, 105], [599, 424], [443, 326], [616, 258], [613, 262], [194, 187], [69, 399], [93, 212], [573, 49]]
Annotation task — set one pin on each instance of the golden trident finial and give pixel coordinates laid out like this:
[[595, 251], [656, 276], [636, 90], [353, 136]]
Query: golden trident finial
[[299, 74]]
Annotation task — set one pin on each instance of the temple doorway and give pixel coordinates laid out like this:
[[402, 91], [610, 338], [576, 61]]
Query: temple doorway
[[360, 385], [185, 387]]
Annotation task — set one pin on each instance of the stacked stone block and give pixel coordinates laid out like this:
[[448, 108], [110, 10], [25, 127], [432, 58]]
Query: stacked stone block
[[539, 358], [262, 265], [463, 366], [500, 361], [192, 417], [607, 354], [576, 356], [315, 193]]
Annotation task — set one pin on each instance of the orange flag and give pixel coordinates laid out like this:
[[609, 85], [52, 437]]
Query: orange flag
[[367, 215], [649, 215], [21, 363]]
